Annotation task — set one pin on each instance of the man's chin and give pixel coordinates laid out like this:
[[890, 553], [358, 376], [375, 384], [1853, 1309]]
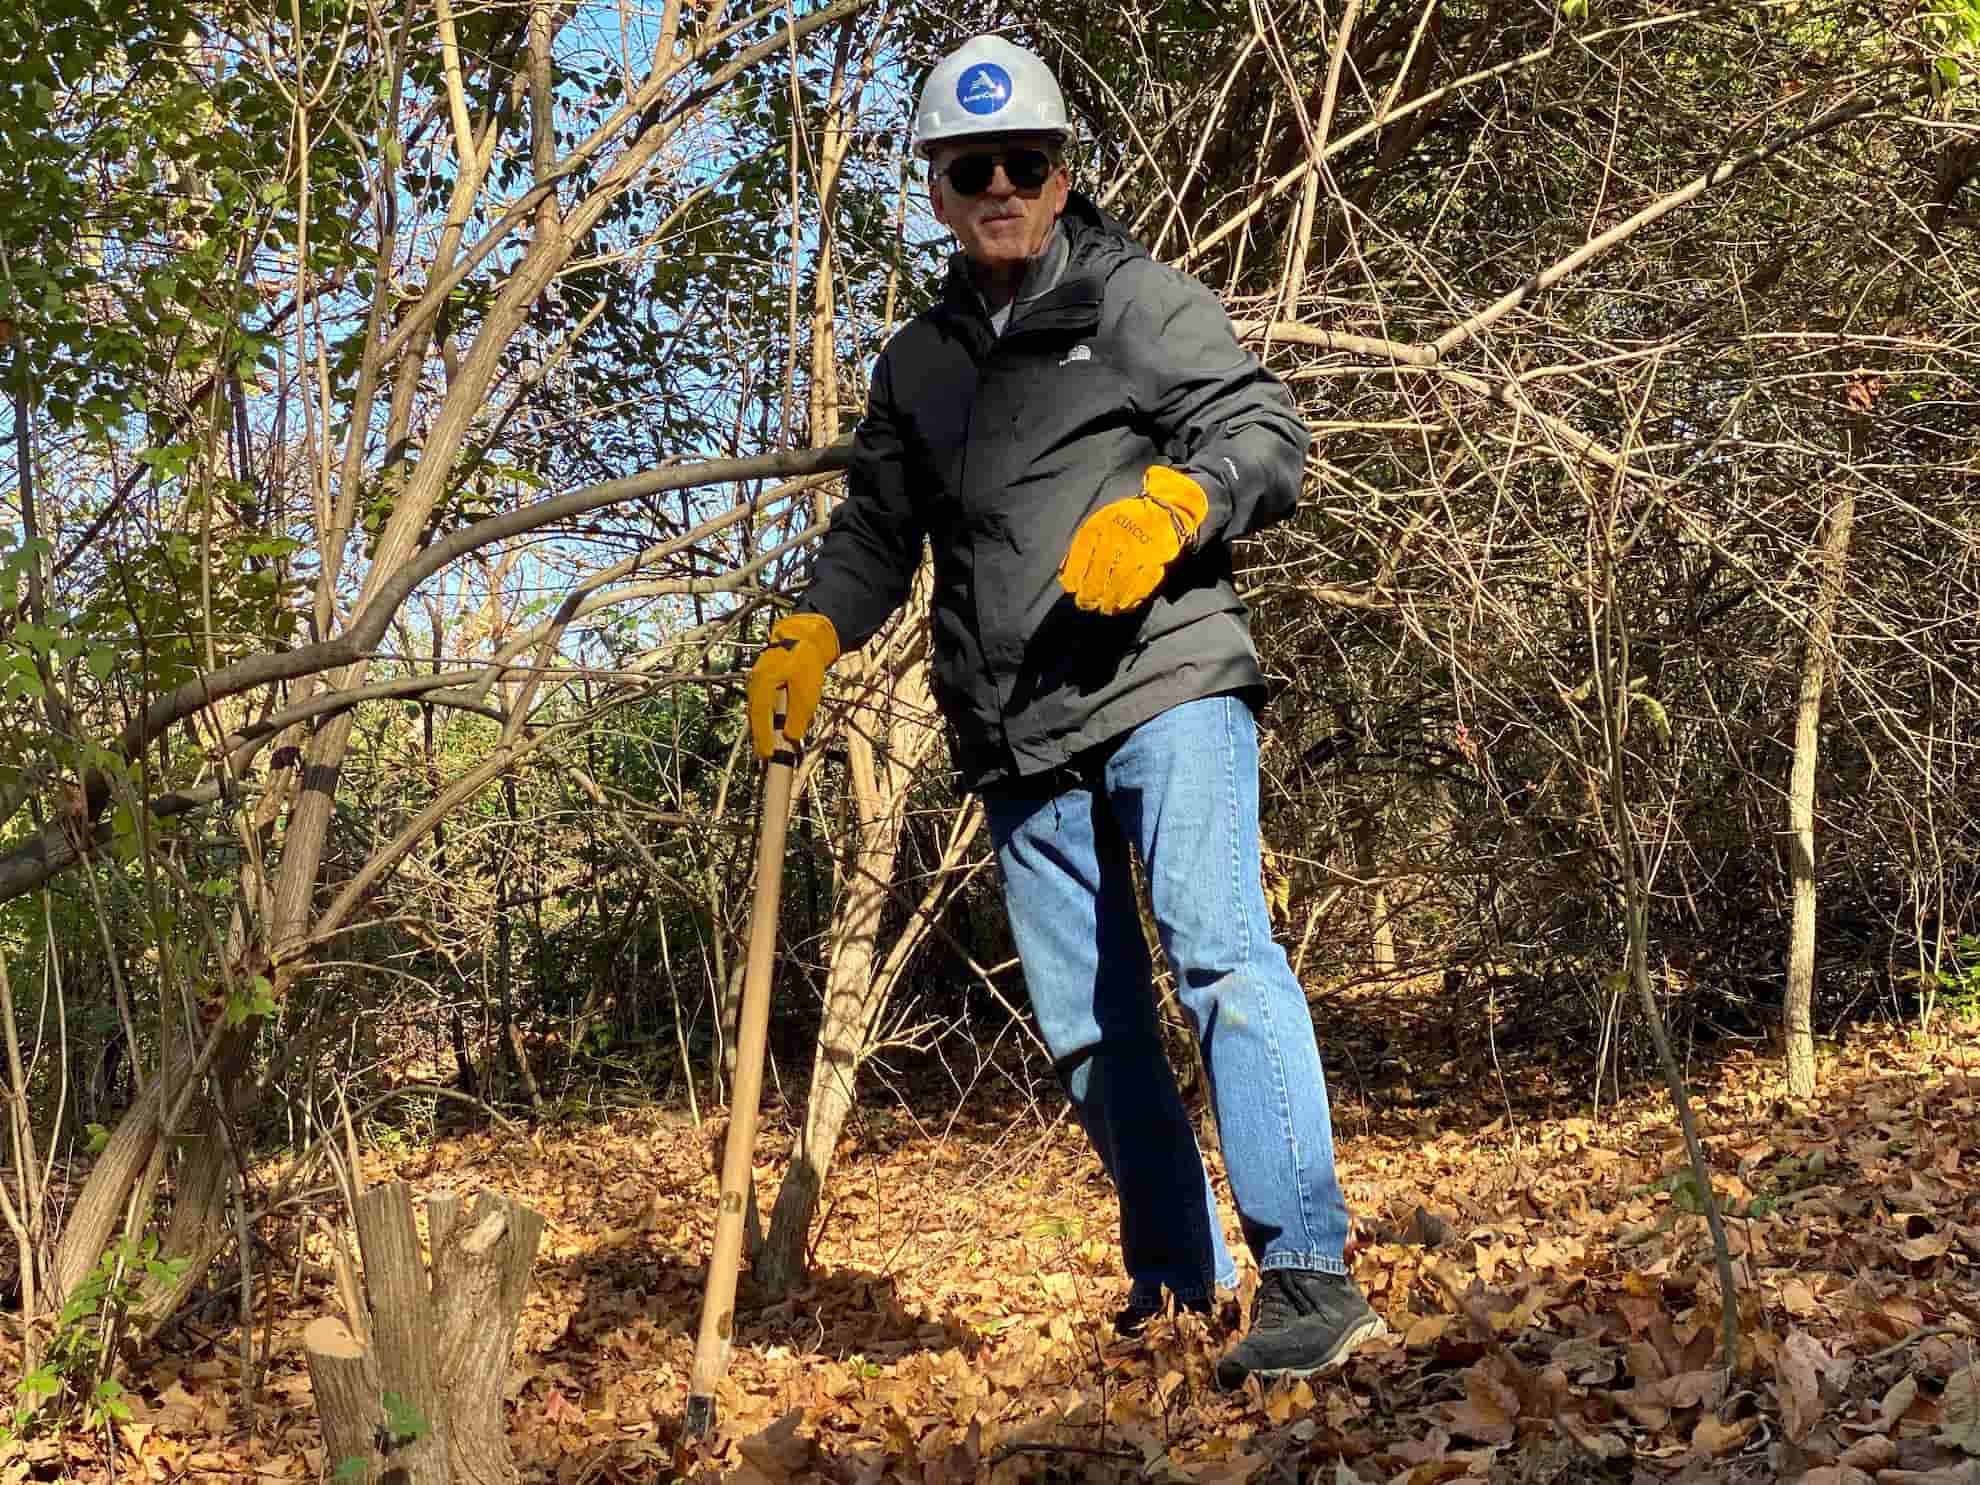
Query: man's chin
[[1003, 234], [1001, 252]]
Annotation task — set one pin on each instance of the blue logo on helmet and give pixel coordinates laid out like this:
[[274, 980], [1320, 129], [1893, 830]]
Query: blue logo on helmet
[[985, 88]]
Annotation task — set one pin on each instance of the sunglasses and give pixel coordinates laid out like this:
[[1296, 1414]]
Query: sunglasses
[[1026, 170]]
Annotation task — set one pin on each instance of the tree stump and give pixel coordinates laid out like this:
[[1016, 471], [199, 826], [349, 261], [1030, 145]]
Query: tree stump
[[410, 1390]]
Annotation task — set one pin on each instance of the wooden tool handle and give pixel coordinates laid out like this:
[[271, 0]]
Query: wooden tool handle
[[712, 1343]]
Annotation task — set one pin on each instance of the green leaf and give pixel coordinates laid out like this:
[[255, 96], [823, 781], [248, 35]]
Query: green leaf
[[1654, 709], [1685, 1195], [350, 1468], [404, 1421], [123, 832], [257, 1000], [99, 1137]]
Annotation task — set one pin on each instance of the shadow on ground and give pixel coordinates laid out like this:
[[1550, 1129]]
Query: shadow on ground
[[636, 1293]]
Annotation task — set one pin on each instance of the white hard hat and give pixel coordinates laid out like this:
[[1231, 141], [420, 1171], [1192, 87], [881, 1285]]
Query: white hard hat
[[989, 86]]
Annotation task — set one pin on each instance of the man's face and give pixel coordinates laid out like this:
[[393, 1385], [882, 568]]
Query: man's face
[[1003, 225]]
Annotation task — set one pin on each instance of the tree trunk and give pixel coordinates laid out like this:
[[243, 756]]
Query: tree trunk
[[856, 991], [853, 1028], [101, 1207], [1382, 932], [420, 1402], [525, 1077], [1798, 1000], [201, 1222], [853, 998]]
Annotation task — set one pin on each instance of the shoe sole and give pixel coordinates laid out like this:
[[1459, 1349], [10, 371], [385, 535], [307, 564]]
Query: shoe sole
[[1371, 1328]]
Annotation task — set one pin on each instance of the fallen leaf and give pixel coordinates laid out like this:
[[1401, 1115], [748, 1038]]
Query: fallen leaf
[[1897, 1402], [959, 1464], [558, 1408], [1966, 1472], [1282, 1404], [1646, 1408], [1923, 1249], [1599, 1445], [1587, 1362], [1800, 1372], [1488, 1409], [1427, 1330], [778, 1451], [1877, 1452], [1645, 1364], [1235, 1470], [1435, 1472], [1693, 1389], [1862, 391], [1959, 1411], [1638, 1310], [1713, 1439]]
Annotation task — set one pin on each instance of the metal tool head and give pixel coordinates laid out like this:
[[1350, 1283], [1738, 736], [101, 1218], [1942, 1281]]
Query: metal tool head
[[700, 1420]]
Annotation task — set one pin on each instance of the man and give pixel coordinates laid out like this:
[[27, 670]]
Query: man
[[1076, 433]]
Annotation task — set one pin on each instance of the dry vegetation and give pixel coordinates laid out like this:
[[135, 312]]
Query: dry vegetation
[[413, 417]]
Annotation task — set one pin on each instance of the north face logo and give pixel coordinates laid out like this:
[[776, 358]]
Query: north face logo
[[1078, 353]]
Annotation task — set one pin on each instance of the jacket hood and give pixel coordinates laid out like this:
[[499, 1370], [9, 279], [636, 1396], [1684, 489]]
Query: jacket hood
[[1093, 228]]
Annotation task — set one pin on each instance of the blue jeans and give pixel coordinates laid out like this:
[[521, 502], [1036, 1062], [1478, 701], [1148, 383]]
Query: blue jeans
[[1182, 789]]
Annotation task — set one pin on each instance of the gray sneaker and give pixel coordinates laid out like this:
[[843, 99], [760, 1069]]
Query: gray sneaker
[[1301, 1323]]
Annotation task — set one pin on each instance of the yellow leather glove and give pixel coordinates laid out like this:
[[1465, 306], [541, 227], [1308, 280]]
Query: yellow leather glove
[[1120, 552], [801, 647]]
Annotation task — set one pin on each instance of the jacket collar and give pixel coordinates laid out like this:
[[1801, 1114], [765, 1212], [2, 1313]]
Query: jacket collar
[[1041, 275]]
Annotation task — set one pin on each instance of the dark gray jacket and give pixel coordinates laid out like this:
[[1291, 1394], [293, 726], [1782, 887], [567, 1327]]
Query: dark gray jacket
[[995, 448]]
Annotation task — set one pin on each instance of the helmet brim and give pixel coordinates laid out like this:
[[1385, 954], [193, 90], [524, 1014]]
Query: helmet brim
[[926, 147]]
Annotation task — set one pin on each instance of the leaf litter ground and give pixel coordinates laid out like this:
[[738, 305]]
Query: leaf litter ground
[[1546, 1277]]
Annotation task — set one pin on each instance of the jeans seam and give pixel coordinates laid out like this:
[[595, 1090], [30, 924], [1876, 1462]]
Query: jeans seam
[[1255, 978], [1231, 800], [1204, 1212], [1241, 906]]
